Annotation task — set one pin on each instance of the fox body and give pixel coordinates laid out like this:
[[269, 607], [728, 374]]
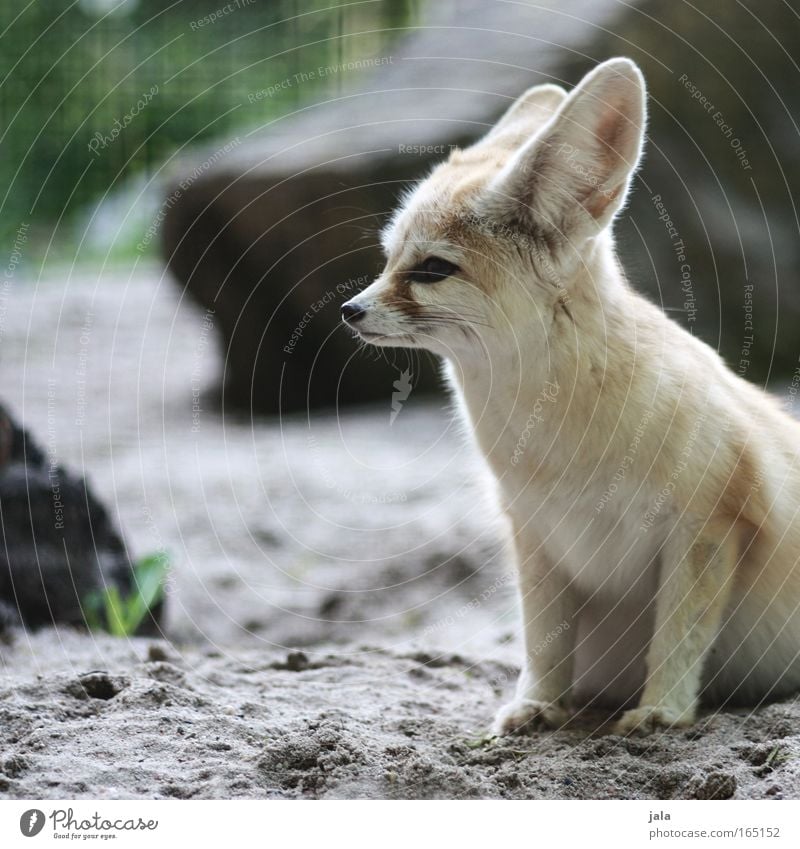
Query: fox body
[[652, 494]]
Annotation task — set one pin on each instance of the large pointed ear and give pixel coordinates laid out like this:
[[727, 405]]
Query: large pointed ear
[[573, 175], [529, 112]]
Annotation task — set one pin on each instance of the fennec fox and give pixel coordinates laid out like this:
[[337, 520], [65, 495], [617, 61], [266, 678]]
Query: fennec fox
[[652, 494]]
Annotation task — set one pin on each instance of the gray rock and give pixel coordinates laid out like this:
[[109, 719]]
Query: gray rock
[[57, 542]]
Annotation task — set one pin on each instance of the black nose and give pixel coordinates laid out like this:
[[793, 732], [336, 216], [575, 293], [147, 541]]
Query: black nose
[[352, 312]]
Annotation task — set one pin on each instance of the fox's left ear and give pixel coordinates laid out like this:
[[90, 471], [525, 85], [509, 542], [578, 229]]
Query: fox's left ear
[[574, 175]]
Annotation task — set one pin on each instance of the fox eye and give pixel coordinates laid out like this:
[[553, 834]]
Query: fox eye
[[432, 269]]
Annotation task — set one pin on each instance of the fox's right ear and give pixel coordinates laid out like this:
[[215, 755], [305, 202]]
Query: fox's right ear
[[573, 176]]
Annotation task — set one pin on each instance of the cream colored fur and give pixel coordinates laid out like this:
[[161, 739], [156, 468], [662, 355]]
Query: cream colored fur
[[652, 494]]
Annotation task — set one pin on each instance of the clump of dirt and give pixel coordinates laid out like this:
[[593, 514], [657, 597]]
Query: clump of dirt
[[96, 685]]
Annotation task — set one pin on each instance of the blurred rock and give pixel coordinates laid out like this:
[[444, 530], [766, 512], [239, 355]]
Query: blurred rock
[[721, 156], [275, 231], [58, 544]]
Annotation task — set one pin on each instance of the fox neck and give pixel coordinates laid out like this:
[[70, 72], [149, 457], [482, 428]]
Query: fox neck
[[520, 392]]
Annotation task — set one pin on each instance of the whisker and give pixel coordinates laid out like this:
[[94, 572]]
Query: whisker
[[449, 320], [451, 308], [435, 313]]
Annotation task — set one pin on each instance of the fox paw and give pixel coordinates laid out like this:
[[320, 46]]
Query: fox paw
[[647, 719], [528, 714]]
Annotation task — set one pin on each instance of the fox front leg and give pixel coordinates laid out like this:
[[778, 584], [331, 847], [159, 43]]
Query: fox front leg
[[548, 610], [695, 584]]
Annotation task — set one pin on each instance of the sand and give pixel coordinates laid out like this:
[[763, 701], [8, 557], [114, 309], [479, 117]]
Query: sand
[[341, 618]]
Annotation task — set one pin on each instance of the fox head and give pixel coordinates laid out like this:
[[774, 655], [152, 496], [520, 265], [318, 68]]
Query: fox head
[[513, 229]]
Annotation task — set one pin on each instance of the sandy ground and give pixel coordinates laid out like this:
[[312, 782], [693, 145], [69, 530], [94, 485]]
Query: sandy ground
[[341, 621]]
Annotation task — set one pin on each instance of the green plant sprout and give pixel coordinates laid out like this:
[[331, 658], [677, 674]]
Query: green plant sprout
[[107, 610]]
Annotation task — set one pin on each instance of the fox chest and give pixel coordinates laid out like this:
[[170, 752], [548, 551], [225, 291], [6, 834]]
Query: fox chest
[[564, 504], [601, 543]]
